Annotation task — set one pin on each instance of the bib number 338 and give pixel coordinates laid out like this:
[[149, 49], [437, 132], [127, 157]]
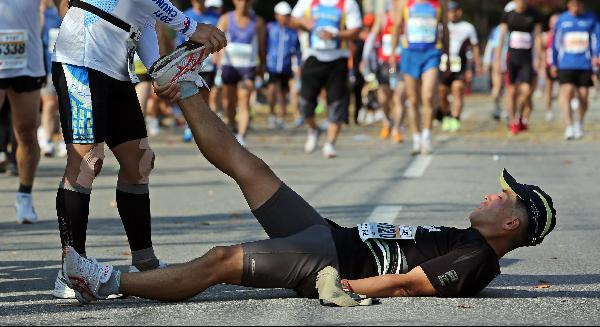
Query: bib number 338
[[13, 49]]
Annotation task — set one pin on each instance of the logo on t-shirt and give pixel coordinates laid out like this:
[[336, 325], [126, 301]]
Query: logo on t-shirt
[[448, 278]]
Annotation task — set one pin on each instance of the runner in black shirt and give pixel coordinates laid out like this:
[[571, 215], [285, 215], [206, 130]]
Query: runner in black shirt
[[380, 260], [523, 29]]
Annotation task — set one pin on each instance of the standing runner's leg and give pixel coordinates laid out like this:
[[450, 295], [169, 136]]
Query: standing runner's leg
[[25, 115], [524, 100], [282, 92], [457, 98], [511, 103], [583, 94], [256, 180], [230, 96], [412, 94], [429, 81], [566, 94], [244, 91]]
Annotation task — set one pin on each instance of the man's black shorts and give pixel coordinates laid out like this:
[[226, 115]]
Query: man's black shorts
[[280, 79], [21, 84], [579, 78], [448, 79], [96, 108], [518, 73], [332, 75]]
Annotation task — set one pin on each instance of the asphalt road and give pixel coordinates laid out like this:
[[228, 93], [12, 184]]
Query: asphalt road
[[195, 207]]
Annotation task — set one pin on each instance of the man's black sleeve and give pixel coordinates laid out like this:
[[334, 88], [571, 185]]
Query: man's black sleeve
[[462, 272]]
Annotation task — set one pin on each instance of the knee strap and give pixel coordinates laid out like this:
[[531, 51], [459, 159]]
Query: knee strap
[[91, 165], [146, 161]]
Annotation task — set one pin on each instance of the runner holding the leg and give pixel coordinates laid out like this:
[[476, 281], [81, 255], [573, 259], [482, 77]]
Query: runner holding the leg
[[422, 49], [463, 38], [93, 71], [377, 260], [522, 27], [575, 52]]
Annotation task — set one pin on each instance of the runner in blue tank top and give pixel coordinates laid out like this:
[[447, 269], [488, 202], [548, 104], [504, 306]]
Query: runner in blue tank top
[[240, 62], [575, 52], [426, 36], [283, 46]]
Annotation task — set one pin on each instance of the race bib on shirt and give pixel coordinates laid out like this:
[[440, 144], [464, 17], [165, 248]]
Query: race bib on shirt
[[577, 42], [318, 43], [422, 30], [455, 63], [52, 36], [520, 40], [386, 46], [13, 49], [385, 231], [240, 55]]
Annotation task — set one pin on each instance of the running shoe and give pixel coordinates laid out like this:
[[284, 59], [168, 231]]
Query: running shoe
[[416, 149], [85, 276], [549, 116], [569, 133], [61, 288], [62, 149], [311, 140], [384, 133], [2, 162], [272, 122], [153, 126], [578, 130], [523, 124], [240, 140], [329, 151], [47, 149], [298, 122], [426, 144], [183, 64], [187, 135], [514, 129], [25, 210], [454, 125], [397, 137], [446, 124], [332, 293]]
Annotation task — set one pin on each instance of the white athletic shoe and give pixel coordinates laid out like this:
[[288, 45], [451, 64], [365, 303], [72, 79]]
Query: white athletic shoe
[[240, 140], [578, 130], [272, 122], [85, 276], [416, 149], [183, 64], [549, 116], [153, 126], [311, 141], [329, 151], [161, 265], [62, 149], [47, 149], [25, 210], [569, 133], [61, 288], [426, 143]]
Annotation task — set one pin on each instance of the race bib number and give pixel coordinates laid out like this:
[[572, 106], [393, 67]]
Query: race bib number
[[13, 49], [52, 36], [422, 30], [318, 43], [386, 46], [577, 42], [455, 63], [385, 231], [520, 40], [240, 55]]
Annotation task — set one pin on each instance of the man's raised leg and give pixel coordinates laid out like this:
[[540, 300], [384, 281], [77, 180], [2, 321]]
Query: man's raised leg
[[216, 142]]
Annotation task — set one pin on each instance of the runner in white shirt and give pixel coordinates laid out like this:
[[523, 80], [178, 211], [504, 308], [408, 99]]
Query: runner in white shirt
[[464, 49], [22, 75], [93, 74], [331, 25]]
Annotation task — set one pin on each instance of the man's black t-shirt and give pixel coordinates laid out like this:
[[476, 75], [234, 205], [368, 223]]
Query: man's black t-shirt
[[457, 262], [521, 34]]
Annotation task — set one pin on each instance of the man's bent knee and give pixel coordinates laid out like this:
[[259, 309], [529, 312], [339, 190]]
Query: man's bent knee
[[146, 162], [90, 167]]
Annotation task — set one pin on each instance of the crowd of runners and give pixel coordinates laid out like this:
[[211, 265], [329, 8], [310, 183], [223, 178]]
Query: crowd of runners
[[413, 58]]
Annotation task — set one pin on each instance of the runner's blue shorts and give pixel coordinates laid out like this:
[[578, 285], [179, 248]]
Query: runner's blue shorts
[[416, 62]]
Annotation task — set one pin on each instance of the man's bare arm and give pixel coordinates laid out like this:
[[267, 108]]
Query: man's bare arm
[[63, 6], [413, 283]]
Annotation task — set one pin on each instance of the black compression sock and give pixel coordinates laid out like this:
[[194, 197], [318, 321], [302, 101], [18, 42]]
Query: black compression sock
[[25, 189], [73, 210], [133, 202]]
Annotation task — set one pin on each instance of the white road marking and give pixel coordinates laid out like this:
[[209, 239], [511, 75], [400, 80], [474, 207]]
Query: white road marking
[[384, 214], [418, 166]]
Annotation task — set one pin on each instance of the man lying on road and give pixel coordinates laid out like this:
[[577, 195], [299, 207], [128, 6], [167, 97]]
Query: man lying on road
[[376, 260]]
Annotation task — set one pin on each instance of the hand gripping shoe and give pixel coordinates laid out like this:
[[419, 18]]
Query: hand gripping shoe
[[182, 65], [331, 292], [85, 276]]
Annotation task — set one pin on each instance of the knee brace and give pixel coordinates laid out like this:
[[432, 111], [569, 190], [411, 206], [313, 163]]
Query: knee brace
[[90, 167], [146, 162]]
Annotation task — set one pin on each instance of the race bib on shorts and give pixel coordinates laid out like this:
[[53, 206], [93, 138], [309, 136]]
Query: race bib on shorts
[[13, 49], [52, 36], [240, 55], [422, 30], [520, 40], [385, 231], [577, 42], [455, 63]]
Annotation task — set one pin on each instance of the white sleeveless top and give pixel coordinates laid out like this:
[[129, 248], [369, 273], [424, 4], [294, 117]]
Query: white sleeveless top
[[21, 50]]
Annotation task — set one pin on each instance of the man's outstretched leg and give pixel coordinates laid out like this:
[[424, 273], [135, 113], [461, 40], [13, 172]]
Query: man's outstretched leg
[[175, 283]]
